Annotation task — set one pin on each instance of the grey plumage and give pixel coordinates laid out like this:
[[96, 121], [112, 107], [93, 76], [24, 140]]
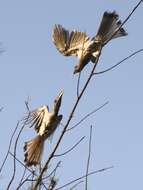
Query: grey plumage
[[45, 124], [87, 49]]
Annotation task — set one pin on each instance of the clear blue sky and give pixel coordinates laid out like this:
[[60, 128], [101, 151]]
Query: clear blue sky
[[32, 67]]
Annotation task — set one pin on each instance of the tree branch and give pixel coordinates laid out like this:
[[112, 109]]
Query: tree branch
[[119, 63], [88, 115], [10, 143], [57, 155], [91, 173], [88, 160], [14, 161], [78, 84]]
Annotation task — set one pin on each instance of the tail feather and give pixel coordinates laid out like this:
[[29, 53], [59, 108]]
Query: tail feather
[[33, 151], [108, 26]]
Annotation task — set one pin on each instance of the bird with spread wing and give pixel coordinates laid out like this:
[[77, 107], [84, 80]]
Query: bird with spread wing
[[45, 124], [87, 49]]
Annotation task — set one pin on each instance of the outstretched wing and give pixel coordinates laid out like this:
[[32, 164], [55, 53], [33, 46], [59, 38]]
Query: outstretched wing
[[35, 118], [78, 42], [60, 38], [70, 43]]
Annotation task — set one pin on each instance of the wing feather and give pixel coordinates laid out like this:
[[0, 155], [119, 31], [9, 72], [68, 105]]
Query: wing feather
[[70, 43], [60, 38], [78, 42], [35, 117]]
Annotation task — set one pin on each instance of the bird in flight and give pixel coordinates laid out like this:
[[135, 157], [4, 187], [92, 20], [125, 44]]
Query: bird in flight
[[76, 43], [45, 124]]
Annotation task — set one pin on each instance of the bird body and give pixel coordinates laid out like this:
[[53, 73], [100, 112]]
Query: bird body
[[45, 124], [76, 43]]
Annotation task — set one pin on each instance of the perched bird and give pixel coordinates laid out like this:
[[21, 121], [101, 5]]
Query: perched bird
[[85, 48], [45, 124]]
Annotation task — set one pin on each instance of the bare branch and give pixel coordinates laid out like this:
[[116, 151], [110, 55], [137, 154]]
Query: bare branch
[[78, 84], [24, 181], [91, 173], [52, 183], [76, 185], [14, 161], [53, 172], [88, 115], [15, 149], [119, 63], [57, 155], [88, 160], [21, 163], [22, 178], [31, 171], [10, 143]]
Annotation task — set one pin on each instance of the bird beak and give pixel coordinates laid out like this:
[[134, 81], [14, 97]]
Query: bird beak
[[57, 102], [76, 69]]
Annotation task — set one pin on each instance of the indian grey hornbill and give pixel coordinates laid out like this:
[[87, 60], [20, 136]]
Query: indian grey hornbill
[[85, 48], [45, 124]]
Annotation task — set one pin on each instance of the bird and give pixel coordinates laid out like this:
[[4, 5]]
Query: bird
[[45, 124], [79, 44]]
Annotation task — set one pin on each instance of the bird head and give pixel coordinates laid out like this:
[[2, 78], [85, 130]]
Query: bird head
[[82, 63], [76, 69], [57, 103]]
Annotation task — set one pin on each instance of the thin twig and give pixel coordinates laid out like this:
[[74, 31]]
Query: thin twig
[[29, 180], [78, 84], [88, 115], [14, 160], [79, 178], [32, 177], [88, 160], [22, 178], [119, 63], [32, 172], [27, 104], [24, 181], [40, 168], [52, 183], [53, 172], [21, 163], [57, 155], [15, 147], [10, 143], [76, 185]]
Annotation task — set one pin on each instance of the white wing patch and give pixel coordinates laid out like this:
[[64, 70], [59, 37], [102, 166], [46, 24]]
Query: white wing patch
[[37, 118]]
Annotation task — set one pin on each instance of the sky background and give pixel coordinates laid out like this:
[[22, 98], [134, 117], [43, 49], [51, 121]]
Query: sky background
[[32, 67]]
